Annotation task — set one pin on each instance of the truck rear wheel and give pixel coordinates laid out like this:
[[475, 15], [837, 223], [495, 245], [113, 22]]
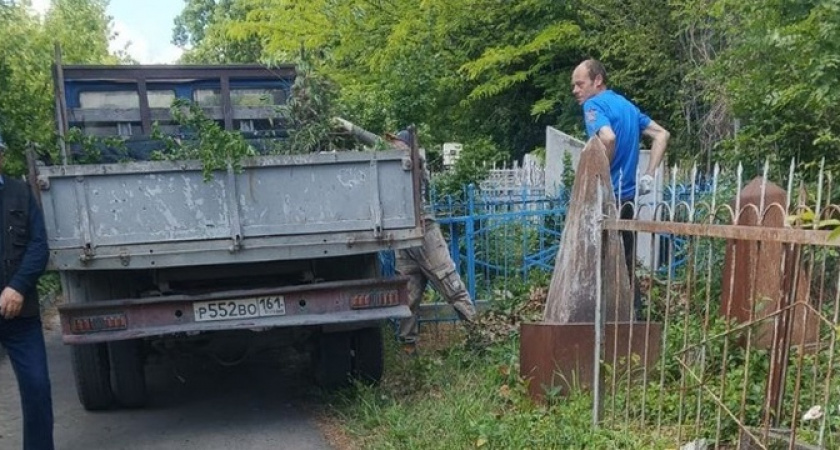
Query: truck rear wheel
[[368, 355], [92, 373], [128, 373], [334, 360]]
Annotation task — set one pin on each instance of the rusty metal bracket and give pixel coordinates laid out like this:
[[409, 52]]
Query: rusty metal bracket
[[233, 211], [84, 216], [375, 201], [87, 254], [125, 257]]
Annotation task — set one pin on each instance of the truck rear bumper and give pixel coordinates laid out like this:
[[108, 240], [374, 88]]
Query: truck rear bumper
[[310, 305]]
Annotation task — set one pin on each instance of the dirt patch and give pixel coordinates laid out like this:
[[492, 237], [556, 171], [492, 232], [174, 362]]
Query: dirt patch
[[335, 433], [498, 325], [50, 319], [49, 312], [437, 336]]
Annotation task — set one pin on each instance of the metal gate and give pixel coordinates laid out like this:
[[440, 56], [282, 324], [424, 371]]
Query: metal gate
[[747, 354]]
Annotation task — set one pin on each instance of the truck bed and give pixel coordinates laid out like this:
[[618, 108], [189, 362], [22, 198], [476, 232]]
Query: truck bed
[[158, 214]]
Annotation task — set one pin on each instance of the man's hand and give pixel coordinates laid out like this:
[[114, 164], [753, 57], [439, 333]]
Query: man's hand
[[660, 138], [645, 184], [11, 302]]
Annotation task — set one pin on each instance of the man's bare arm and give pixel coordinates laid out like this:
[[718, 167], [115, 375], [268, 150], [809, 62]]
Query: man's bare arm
[[660, 138], [607, 137]]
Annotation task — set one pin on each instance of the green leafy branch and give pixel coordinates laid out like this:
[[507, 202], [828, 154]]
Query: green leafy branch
[[309, 112], [807, 219], [91, 146], [216, 148]]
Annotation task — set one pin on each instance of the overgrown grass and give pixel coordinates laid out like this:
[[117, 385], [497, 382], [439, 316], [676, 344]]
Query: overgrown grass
[[460, 396], [464, 391]]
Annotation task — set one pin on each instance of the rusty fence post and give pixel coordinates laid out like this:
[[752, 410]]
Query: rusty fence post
[[599, 325]]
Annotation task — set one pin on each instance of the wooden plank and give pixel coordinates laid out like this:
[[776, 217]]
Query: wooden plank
[[108, 115], [255, 112], [177, 72], [117, 115], [227, 111], [60, 103], [145, 114], [586, 253], [444, 311]]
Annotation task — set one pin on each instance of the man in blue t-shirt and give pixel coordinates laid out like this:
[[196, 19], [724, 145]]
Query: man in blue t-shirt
[[619, 124]]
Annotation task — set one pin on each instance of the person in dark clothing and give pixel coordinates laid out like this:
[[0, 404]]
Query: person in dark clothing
[[429, 263], [23, 244]]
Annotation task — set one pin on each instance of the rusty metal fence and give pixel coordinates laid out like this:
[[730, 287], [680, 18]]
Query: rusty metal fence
[[736, 348]]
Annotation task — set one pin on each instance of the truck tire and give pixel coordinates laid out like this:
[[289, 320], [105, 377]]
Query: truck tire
[[334, 362], [92, 373], [128, 376], [368, 355]]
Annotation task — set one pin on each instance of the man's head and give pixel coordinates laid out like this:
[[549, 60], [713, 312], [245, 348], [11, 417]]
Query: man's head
[[588, 80]]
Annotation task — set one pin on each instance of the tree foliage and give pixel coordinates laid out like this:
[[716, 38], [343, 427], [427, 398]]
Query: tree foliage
[[480, 156], [309, 114], [458, 75], [216, 148], [780, 73], [201, 27], [466, 70], [27, 51]]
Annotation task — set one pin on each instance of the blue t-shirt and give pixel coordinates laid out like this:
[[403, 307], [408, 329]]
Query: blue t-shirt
[[627, 122]]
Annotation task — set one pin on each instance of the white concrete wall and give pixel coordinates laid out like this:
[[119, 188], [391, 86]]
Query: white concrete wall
[[557, 144]]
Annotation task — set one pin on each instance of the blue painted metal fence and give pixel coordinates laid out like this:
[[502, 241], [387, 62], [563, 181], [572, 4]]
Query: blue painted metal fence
[[498, 240]]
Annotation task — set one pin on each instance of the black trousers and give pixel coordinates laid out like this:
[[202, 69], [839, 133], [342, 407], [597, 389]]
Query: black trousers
[[629, 237], [23, 340]]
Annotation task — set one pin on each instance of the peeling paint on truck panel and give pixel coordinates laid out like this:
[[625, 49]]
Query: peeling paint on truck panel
[[351, 178], [163, 203]]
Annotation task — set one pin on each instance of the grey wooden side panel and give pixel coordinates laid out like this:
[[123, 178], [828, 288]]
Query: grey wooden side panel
[[397, 197], [164, 202], [61, 215], [323, 198], [280, 200], [135, 208]]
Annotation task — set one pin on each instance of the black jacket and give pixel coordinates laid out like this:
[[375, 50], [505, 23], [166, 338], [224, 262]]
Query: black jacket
[[23, 243]]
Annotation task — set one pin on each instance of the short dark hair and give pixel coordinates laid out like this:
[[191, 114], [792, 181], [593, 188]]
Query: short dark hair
[[595, 68]]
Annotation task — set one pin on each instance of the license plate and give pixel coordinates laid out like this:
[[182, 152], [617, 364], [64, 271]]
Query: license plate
[[243, 308]]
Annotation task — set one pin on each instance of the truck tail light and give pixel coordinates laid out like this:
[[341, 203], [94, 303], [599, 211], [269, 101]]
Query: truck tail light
[[376, 299], [110, 322]]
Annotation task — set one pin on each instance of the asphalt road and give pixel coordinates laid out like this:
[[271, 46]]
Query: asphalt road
[[201, 406]]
